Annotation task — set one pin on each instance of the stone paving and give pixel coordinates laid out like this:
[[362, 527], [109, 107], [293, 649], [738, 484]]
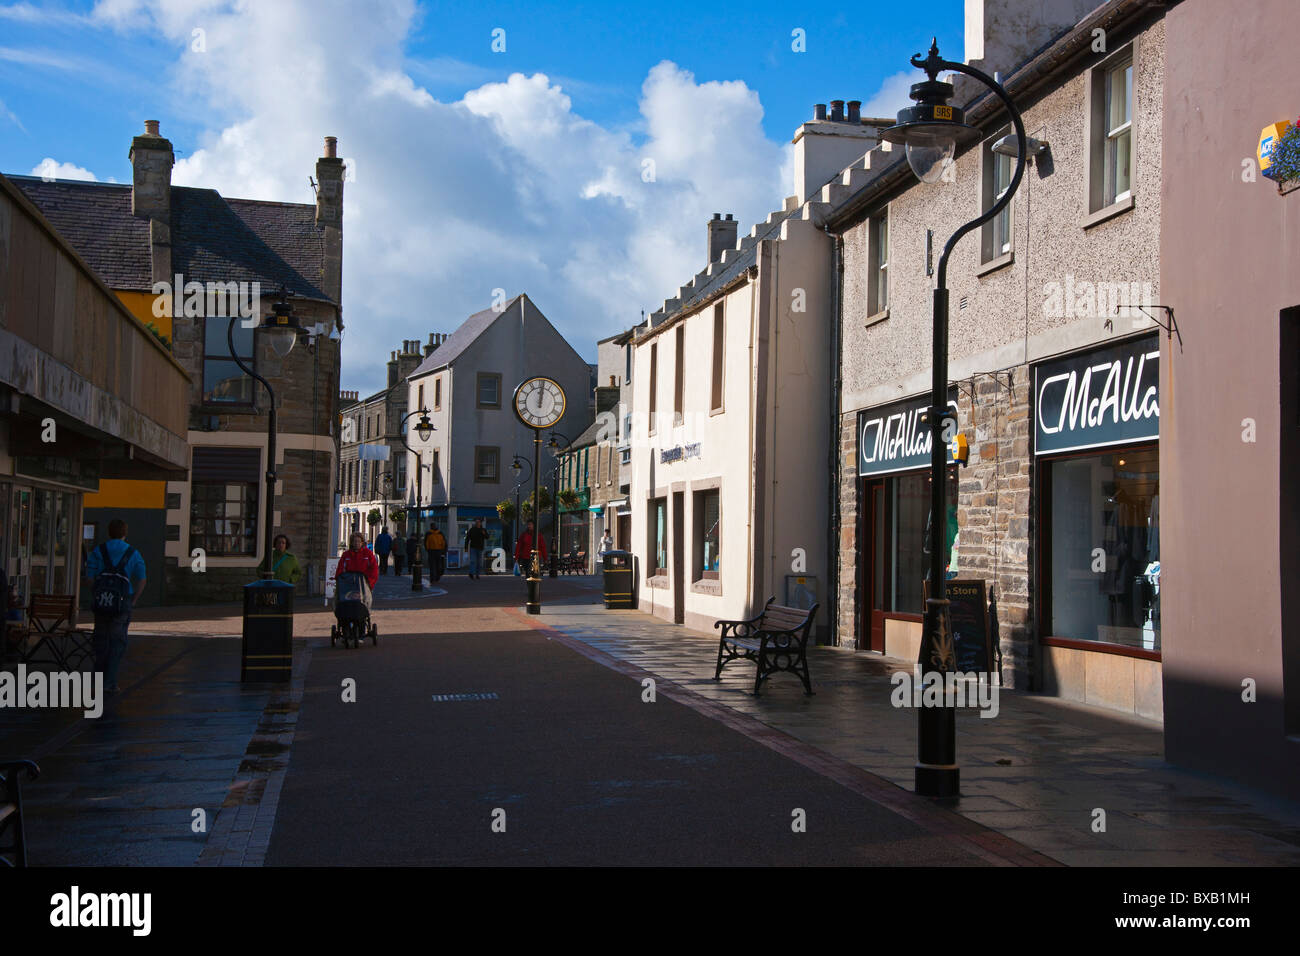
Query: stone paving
[[1035, 773]]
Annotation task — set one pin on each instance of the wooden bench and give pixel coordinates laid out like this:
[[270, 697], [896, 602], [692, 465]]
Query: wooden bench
[[775, 640], [50, 619], [14, 852]]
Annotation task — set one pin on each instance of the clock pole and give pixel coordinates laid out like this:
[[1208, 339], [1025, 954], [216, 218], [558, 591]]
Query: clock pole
[[534, 566]]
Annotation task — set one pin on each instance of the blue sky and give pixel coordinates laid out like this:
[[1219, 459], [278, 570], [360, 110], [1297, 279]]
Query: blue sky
[[535, 173]]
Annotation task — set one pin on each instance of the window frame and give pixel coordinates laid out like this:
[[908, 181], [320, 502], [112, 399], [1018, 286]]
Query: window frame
[[653, 568], [1099, 135], [878, 257], [437, 393], [226, 356], [679, 374], [653, 405], [699, 533], [479, 452], [717, 397], [479, 379], [994, 254]]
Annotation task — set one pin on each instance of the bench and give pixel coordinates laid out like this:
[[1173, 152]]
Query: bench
[[575, 562], [50, 619], [11, 810], [775, 640]]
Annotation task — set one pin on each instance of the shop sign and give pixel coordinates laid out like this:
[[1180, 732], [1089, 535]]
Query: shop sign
[[893, 437], [1102, 397], [79, 473], [680, 453]]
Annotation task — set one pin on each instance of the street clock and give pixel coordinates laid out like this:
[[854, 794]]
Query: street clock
[[539, 402]]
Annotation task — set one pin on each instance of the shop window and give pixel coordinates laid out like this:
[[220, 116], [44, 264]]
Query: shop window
[[224, 383], [1101, 548], [658, 544], [899, 562], [707, 514], [223, 500]]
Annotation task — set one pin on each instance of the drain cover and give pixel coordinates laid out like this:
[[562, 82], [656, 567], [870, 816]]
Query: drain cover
[[448, 697]]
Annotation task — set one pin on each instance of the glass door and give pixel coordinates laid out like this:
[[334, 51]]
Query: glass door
[[20, 516], [42, 533]]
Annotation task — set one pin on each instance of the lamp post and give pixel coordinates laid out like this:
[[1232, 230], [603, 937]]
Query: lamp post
[[282, 329], [516, 466], [555, 448], [930, 131], [424, 428]]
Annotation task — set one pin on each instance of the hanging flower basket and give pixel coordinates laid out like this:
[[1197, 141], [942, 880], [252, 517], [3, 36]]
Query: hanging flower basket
[[1284, 156]]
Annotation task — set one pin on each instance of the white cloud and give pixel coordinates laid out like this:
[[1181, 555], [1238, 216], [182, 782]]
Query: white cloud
[[507, 188], [892, 95], [49, 168]]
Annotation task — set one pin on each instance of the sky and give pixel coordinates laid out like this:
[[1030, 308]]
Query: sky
[[490, 145]]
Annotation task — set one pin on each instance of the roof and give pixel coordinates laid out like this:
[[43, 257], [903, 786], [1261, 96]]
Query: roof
[[456, 343], [213, 239]]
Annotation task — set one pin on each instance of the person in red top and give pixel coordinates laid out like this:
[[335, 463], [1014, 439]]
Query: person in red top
[[524, 549], [359, 558]]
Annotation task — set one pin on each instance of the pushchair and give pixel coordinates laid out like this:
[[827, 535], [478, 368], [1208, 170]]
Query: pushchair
[[352, 622]]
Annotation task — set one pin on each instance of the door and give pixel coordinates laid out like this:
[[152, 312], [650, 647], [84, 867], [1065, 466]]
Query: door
[[624, 535], [874, 556], [679, 559]]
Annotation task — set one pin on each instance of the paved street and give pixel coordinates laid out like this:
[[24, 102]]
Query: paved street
[[470, 712]]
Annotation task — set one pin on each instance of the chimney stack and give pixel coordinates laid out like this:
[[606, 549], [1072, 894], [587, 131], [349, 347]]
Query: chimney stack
[[152, 160], [722, 235], [329, 217], [824, 146]]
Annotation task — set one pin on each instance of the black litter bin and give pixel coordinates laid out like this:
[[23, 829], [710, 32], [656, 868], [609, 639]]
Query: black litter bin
[[267, 649], [618, 579]]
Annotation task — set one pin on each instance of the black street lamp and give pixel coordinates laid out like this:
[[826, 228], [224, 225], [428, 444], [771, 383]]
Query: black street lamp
[[516, 466], [555, 447], [424, 428], [931, 131], [282, 329]]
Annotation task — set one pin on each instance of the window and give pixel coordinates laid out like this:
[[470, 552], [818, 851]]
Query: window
[[1102, 547], [707, 514], [223, 500], [487, 463], [437, 469], [401, 473], [995, 235], [679, 374], [654, 385], [899, 513], [437, 393], [719, 330], [420, 396], [658, 545], [489, 390], [1112, 155], [878, 280], [223, 381]]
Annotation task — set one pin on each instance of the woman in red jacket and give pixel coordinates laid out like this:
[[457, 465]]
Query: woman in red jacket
[[359, 558], [524, 549]]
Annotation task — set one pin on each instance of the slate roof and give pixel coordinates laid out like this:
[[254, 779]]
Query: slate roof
[[469, 330], [213, 239]]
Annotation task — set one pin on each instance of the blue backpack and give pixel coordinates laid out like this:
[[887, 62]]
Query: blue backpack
[[112, 588]]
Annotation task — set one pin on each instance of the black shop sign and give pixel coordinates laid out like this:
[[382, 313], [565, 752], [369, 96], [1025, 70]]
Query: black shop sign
[[894, 438], [1107, 396]]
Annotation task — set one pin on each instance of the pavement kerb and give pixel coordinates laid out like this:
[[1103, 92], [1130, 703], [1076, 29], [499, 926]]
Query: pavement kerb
[[989, 845]]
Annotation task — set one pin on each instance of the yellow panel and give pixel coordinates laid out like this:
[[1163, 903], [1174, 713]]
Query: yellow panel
[[124, 493], [140, 304]]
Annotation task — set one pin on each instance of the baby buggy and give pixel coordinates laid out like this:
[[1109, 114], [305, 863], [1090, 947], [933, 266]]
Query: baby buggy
[[352, 623]]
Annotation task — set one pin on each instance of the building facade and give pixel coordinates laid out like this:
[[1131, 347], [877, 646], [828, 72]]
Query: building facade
[[467, 385], [1055, 370], [187, 260]]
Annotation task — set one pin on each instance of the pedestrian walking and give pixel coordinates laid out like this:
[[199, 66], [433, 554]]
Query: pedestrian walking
[[606, 546], [116, 573], [524, 549], [284, 566], [435, 542], [399, 551], [383, 548], [475, 541]]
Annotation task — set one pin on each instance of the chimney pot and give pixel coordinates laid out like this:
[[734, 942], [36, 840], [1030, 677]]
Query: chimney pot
[[331, 147], [151, 128], [855, 111], [837, 111], [819, 111]]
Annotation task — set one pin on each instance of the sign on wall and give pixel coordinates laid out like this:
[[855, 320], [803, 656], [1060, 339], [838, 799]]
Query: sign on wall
[[893, 437], [1107, 396]]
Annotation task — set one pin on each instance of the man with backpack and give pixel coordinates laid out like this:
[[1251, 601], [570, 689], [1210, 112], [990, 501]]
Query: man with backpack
[[116, 573]]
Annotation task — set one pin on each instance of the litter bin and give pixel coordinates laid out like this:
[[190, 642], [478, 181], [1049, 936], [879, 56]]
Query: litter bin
[[266, 654], [618, 579]]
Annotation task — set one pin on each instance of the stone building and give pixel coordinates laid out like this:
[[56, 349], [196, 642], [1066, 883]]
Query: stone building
[[1058, 510], [185, 260], [372, 459]]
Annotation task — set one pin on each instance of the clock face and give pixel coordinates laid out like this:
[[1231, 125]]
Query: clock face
[[539, 402]]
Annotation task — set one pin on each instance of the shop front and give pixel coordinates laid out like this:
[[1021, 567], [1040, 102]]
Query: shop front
[[1097, 466], [43, 538], [893, 528]]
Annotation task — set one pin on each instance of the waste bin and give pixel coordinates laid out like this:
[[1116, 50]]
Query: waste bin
[[266, 654], [618, 579]]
